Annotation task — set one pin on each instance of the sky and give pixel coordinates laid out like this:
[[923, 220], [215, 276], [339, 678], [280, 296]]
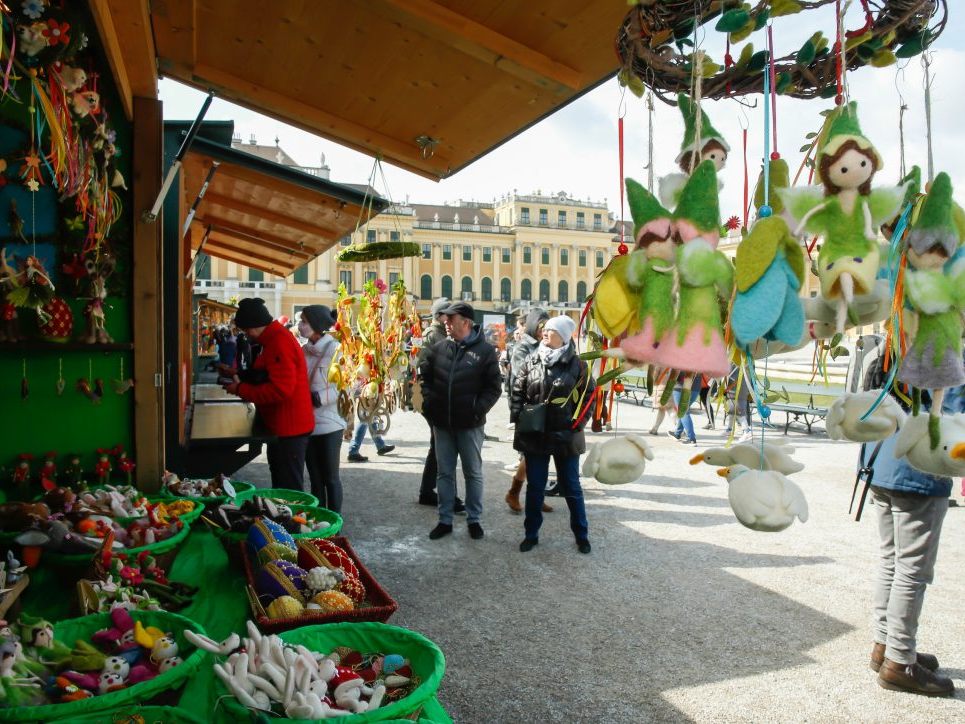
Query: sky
[[576, 149]]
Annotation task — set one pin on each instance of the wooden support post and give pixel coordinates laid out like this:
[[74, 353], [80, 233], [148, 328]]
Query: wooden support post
[[148, 309]]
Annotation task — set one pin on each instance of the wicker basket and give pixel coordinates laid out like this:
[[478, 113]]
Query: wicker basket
[[164, 687], [380, 605]]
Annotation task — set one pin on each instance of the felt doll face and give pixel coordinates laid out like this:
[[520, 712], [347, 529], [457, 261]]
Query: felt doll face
[[665, 249], [715, 152], [933, 258], [851, 168]]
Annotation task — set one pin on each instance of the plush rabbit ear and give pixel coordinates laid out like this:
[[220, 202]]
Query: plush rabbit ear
[[641, 443]]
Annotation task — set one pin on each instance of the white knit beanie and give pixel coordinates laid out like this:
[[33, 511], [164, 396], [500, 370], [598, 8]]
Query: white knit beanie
[[564, 326]]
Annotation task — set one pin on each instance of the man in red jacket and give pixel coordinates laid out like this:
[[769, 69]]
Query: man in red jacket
[[278, 385]]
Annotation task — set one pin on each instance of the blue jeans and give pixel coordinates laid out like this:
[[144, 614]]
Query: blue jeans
[[467, 444], [568, 474], [685, 423], [360, 431]]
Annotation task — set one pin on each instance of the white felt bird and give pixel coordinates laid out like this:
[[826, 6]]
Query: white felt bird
[[764, 500], [946, 458], [844, 417], [618, 461], [776, 457]]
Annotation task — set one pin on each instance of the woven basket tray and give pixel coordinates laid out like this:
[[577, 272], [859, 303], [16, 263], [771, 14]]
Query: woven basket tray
[[379, 604]]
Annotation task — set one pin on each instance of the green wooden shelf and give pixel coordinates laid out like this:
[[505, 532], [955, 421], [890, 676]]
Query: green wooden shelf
[[39, 345]]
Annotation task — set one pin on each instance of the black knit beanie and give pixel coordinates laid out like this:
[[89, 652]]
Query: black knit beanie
[[252, 313], [319, 317]]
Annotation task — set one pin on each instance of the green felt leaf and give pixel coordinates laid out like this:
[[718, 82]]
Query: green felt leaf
[[806, 54], [745, 57], [783, 82], [559, 400], [865, 51], [812, 134], [785, 7], [760, 20], [684, 29], [758, 60], [883, 58], [836, 339], [732, 20], [829, 91], [742, 33], [912, 47]]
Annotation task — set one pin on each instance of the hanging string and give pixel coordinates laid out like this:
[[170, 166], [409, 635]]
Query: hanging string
[[747, 200], [765, 209], [622, 249], [926, 64], [650, 113], [773, 86], [838, 53]]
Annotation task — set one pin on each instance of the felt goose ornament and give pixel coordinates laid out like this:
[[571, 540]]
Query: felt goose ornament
[[776, 457], [915, 443], [844, 422], [844, 210], [764, 500], [619, 460]]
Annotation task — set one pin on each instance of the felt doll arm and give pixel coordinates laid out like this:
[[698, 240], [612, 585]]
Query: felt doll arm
[[636, 269], [869, 228], [669, 188], [955, 272], [725, 274], [929, 291], [801, 201], [884, 204], [803, 225]]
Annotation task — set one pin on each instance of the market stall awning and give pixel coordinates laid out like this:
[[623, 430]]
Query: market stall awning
[[430, 85], [264, 215]]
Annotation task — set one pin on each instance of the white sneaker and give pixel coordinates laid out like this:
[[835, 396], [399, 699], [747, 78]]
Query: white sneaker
[[746, 436], [511, 426]]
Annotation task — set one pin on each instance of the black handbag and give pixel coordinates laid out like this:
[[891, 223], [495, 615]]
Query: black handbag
[[532, 418]]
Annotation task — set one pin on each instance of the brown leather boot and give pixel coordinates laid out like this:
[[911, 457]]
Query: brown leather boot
[[547, 508], [913, 678], [929, 661], [512, 497]]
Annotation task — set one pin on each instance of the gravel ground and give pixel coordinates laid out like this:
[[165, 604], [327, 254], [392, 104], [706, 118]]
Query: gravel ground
[[679, 613]]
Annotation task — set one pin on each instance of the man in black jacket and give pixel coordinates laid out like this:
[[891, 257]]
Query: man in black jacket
[[460, 384]]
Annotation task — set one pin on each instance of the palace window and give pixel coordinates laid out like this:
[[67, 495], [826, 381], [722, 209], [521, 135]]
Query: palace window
[[597, 222], [563, 295], [580, 220], [543, 217], [371, 276], [487, 289], [202, 266], [425, 287], [524, 215], [467, 253], [255, 275], [561, 219], [527, 255], [447, 286], [544, 291], [345, 278], [393, 278], [581, 257], [564, 257], [506, 254], [427, 251], [487, 254], [505, 290], [300, 276], [581, 292], [526, 290], [544, 255], [447, 252], [599, 259], [370, 235]]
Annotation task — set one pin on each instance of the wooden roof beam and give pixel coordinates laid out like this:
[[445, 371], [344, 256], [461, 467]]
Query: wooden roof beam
[[226, 245], [270, 266], [125, 29], [483, 43], [243, 233], [216, 199]]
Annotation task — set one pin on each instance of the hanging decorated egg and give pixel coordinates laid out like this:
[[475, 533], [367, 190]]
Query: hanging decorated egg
[[60, 320], [279, 578], [322, 552], [332, 602]]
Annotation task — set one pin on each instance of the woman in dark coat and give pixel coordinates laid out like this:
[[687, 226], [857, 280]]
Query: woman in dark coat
[[553, 372]]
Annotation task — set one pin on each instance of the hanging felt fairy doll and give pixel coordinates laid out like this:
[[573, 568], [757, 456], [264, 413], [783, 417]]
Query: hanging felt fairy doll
[[935, 290], [844, 210], [708, 145], [696, 343], [650, 270], [769, 273]]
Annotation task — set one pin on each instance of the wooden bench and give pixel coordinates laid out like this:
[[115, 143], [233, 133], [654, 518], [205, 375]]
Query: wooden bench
[[808, 412], [634, 386]]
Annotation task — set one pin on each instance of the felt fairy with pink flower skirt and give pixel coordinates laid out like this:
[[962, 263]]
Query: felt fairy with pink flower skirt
[[844, 210]]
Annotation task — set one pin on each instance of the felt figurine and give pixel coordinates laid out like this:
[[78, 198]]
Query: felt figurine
[[770, 456], [74, 471], [9, 282], [35, 289], [85, 102], [48, 471], [696, 343], [102, 469], [37, 636], [769, 271], [844, 422], [763, 500], [619, 460], [615, 304], [844, 210], [935, 290], [161, 645], [915, 442], [21, 473], [650, 270], [126, 466], [100, 269], [713, 148]]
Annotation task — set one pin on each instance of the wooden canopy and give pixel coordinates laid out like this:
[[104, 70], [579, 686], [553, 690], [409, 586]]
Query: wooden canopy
[[430, 85], [264, 215]]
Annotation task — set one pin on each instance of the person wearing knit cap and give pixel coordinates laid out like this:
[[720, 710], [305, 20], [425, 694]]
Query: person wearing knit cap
[[325, 442], [278, 385], [554, 372]]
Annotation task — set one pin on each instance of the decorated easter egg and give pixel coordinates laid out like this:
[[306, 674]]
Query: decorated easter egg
[[60, 321], [279, 578], [265, 531], [333, 601], [276, 551], [321, 552], [352, 587], [284, 607]]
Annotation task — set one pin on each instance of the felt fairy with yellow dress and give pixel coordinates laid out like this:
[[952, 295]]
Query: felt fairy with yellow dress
[[844, 210]]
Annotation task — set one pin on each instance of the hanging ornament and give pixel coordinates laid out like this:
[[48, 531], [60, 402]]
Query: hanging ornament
[[24, 384], [61, 384], [122, 384], [9, 281]]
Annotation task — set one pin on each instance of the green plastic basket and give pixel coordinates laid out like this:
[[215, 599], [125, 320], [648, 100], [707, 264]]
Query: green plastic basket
[[83, 628], [150, 714], [333, 519], [282, 495], [187, 518], [424, 657], [241, 488], [79, 561]]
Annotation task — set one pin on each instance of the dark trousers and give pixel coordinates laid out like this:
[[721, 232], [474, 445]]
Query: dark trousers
[[431, 469], [286, 461], [568, 474], [322, 460]]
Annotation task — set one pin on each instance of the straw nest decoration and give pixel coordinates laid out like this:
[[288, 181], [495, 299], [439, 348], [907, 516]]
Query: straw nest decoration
[[655, 44], [379, 250]]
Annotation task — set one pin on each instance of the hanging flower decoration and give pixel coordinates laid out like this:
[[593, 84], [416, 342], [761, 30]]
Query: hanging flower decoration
[[33, 9], [57, 33], [733, 223]]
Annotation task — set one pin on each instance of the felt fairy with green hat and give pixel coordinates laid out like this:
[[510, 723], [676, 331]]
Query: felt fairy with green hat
[[651, 271], [769, 272], [935, 290], [696, 342], [696, 148], [844, 210]]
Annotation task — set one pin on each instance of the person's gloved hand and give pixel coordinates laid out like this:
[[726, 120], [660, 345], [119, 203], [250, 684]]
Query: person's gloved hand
[[231, 388], [226, 370]]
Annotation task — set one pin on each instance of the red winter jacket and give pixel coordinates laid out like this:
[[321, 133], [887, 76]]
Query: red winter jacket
[[284, 401]]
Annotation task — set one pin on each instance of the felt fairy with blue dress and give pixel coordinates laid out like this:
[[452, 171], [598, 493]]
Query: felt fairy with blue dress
[[705, 276], [844, 210], [769, 270]]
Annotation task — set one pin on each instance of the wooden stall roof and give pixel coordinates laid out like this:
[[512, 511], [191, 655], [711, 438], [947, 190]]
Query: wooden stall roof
[[216, 305], [380, 75], [264, 215]]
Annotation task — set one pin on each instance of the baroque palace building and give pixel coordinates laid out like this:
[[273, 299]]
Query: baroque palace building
[[514, 252]]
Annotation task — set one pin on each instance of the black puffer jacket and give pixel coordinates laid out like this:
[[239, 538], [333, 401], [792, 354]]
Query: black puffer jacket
[[460, 382], [537, 383]]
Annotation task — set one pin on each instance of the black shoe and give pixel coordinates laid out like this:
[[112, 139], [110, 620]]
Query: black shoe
[[356, 458], [475, 531], [386, 450], [430, 498], [553, 488], [673, 434], [527, 545], [459, 507], [440, 530], [583, 546]]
